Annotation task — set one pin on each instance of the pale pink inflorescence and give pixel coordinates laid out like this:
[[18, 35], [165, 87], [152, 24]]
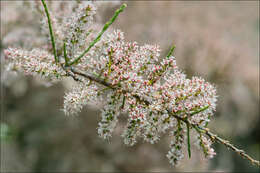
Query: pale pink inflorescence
[[150, 89], [175, 154], [36, 63], [205, 145], [80, 96], [78, 26]]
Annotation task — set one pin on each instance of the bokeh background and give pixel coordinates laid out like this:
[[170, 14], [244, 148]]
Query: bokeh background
[[215, 40]]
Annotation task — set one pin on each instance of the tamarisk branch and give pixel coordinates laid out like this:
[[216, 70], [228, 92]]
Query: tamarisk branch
[[198, 128], [156, 95]]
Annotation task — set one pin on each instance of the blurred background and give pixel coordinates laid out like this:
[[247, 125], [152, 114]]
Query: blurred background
[[215, 40]]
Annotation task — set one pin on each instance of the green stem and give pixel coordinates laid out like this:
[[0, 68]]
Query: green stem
[[65, 55], [50, 29], [188, 139], [171, 51], [200, 110], [100, 34]]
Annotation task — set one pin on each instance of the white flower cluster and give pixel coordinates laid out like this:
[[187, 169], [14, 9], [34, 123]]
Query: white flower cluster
[[150, 89], [72, 23], [109, 114], [139, 71], [80, 96], [175, 154], [36, 63], [78, 26], [205, 145]]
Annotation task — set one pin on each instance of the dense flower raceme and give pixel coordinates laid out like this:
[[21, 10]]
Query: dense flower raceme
[[36, 62], [146, 87], [139, 71], [72, 23]]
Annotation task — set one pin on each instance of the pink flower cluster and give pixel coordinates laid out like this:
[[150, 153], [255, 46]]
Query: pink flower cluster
[[140, 71], [150, 89]]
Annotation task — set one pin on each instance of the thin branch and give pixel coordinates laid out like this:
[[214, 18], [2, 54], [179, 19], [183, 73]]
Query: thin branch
[[242, 153], [90, 77], [100, 34], [123, 104], [51, 32]]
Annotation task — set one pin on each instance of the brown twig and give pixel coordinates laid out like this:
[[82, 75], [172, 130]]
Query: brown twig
[[242, 153]]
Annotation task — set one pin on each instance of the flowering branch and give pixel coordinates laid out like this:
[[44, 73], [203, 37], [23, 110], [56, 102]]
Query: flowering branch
[[160, 73], [198, 128], [100, 34], [156, 95]]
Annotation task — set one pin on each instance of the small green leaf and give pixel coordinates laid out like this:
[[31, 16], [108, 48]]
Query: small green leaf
[[171, 51]]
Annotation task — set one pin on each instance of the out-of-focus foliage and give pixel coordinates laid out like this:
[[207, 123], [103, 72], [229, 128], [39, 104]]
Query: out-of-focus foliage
[[216, 40]]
